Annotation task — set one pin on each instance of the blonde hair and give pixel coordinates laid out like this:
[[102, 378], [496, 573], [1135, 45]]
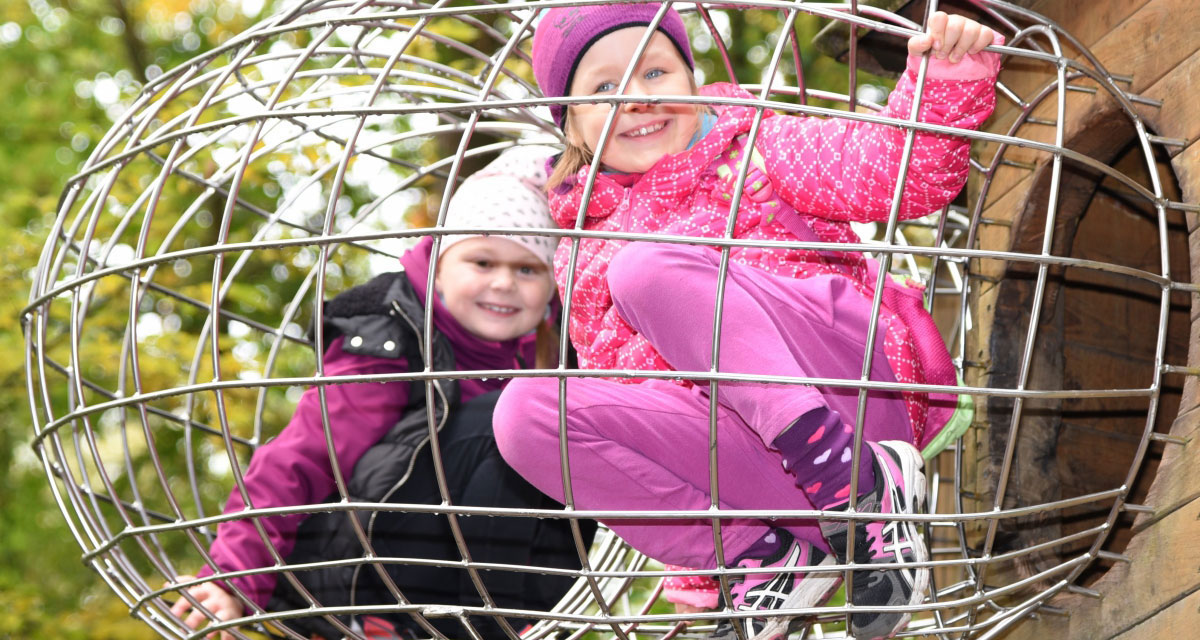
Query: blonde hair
[[573, 157]]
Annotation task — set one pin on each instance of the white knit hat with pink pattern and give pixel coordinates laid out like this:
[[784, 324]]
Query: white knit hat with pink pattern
[[507, 193]]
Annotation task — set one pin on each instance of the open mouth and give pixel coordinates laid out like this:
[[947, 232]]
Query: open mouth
[[499, 308], [646, 130]]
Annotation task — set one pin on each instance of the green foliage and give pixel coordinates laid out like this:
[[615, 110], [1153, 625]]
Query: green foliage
[[68, 69]]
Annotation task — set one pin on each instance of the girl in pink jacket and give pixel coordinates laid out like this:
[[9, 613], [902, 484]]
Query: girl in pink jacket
[[669, 169]]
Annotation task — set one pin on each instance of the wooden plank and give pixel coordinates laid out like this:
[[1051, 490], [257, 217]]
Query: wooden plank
[[1169, 491], [1178, 117], [1095, 127], [1176, 621], [1176, 483], [1165, 560], [1139, 38], [1154, 40], [1187, 171], [1173, 489], [1086, 20], [1148, 44]]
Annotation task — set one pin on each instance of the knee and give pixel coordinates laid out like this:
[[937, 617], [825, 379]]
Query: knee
[[649, 269], [525, 413]]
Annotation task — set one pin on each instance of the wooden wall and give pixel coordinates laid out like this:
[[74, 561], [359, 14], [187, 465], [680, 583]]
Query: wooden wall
[[1085, 335]]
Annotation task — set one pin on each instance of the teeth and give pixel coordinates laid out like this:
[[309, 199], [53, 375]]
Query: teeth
[[498, 308], [647, 129]]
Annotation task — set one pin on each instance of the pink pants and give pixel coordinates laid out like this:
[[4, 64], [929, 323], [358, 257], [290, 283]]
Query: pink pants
[[646, 446]]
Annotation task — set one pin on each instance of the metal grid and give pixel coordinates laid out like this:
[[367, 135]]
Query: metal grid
[[244, 187]]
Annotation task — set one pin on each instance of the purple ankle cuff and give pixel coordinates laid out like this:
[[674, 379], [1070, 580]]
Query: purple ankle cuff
[[795, 439]]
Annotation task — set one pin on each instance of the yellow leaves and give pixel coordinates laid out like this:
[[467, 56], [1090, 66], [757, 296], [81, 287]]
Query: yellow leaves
[[160, 11], [454, 29]]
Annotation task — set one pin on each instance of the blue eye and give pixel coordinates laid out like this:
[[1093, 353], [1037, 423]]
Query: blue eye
[[654, 73], [605, 87]]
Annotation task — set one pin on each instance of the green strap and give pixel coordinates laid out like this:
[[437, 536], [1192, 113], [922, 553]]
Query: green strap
[[964, 414]]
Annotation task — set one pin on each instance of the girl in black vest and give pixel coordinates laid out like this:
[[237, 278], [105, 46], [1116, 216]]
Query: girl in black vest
[[491, 299]]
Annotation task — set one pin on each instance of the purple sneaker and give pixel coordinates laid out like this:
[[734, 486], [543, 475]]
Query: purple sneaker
[[899, 488], [770, 590]]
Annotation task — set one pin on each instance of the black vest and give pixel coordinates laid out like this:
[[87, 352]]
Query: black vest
[[384, 318]]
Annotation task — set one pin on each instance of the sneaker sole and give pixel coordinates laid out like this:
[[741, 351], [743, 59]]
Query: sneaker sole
[[814, 591], [911, 465]]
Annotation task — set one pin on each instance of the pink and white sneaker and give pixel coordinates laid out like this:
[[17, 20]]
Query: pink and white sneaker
[[895, 544], [774, 590]]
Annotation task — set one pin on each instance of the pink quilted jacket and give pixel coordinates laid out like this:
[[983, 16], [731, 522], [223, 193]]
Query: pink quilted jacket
[[827, 171]]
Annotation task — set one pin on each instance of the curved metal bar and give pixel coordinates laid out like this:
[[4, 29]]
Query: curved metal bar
[[101, 432]]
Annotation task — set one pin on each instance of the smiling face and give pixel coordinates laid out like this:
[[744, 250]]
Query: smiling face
[[642, 133], [495, 288]]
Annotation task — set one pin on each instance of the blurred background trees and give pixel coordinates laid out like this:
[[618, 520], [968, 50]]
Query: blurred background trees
[[68, 69]]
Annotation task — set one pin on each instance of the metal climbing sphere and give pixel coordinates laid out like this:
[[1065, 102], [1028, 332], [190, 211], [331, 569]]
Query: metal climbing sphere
[[165, 325]]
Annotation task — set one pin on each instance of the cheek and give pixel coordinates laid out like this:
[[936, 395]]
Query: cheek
[[688, 118], [458, 288], [584, 130], [538, 294]]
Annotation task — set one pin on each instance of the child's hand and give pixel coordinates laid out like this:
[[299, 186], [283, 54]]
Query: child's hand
[[214, 598], [951, 37], [681, 608]]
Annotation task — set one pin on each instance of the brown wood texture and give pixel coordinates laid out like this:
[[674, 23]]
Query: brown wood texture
[[1179, 116], [1086, 20], [1147, 44], [1165, 563], [1155, 41], [1176, 621], [1178, 481]]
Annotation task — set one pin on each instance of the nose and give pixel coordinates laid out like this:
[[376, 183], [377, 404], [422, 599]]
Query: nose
[[504, 280], [635, 89], [636, 107]]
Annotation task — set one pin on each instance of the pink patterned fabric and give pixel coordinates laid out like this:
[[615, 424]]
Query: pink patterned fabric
[[695, 591], [828, 171]]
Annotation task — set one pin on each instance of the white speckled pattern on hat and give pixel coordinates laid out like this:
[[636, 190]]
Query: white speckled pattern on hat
[[508, 192]]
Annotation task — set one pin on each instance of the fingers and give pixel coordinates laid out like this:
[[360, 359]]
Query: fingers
[[932, 38], [951, 38], [968, 33], [985, 39], [937, 28], [918, 45], [195, 618], [954, 30], [214, 602], [181, 605]]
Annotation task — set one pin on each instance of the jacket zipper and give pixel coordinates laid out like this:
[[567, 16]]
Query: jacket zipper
[[412, 461]]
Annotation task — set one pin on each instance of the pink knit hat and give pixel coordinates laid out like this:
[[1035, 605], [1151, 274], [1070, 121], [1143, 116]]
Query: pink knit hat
[[566, 33], [508, 192]]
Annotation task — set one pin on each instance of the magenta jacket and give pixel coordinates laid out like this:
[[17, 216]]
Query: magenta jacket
[[823, 172], [294, 468]]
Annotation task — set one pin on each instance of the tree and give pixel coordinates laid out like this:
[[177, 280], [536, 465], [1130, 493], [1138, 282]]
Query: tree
[[68, 67], [72, 67]]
